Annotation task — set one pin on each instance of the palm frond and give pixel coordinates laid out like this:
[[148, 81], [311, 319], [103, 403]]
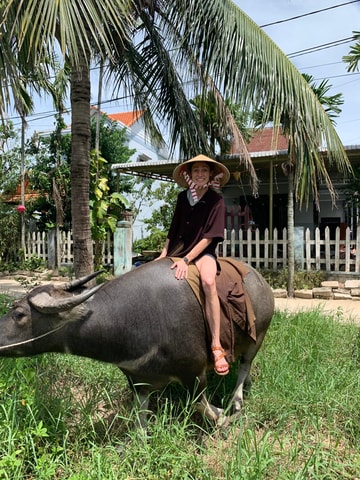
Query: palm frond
[[251, 70], [150, 69], [353, 58], [148, 72], [74, 26]]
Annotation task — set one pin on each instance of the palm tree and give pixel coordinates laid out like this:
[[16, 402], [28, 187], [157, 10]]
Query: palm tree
[[353, 58], [298, 169], [164, 53], [220, 135], [24, 81], [76, 28]]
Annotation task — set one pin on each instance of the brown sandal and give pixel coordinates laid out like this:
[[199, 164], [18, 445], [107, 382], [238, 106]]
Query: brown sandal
[[224, 370]]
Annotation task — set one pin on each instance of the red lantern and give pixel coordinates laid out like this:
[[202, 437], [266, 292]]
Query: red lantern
[[21, 208]]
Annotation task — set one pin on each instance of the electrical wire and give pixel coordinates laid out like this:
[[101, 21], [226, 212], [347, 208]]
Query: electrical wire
[[323, 46], [290, 55], [307, 14]]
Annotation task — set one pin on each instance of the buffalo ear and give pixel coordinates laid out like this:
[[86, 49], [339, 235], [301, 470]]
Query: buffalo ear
[[45, 303]]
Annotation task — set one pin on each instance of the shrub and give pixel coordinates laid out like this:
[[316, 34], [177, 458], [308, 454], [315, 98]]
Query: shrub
[[302, 279]]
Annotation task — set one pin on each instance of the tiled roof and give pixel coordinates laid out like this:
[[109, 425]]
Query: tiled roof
[[126, 118], [264, 142], [18, 198]]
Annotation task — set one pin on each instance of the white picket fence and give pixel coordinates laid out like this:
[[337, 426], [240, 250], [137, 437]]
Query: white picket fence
[[311, 252], [259, 249], [37, 244]]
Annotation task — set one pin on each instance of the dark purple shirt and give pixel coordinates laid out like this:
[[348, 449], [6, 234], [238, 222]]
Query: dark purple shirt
[[190, 224]]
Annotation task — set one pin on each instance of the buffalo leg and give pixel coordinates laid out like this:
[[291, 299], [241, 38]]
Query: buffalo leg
[[238, 394], [214, 414], [197, 386], [203, 406], [141, 402]]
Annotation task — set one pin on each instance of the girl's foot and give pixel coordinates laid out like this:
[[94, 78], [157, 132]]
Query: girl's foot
[[221, 365]]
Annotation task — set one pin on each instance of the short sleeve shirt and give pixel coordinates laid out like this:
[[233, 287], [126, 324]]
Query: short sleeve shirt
[[192, 223]]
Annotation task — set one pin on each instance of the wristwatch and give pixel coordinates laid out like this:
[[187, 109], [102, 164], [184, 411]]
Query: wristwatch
[[186, 260]]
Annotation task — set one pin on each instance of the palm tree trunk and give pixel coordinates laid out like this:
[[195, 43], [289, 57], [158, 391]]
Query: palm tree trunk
[[98, 244], [291, 247], [23, 128], [80, 167]]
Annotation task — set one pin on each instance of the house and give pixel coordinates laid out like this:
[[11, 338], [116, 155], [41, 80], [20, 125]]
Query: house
[[145, 152], [145, 149], [17, 198], [269, 206]]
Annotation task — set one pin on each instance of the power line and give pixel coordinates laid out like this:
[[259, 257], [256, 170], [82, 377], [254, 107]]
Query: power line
[[335, 43], [51, 113], [323, 46], [339, 76], [307, 14], [322, 65]]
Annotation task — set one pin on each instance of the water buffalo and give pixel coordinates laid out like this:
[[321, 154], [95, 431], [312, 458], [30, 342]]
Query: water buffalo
[[146, 322]]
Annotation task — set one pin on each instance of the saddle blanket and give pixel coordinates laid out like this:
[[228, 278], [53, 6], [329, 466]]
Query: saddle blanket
[[235, 304]]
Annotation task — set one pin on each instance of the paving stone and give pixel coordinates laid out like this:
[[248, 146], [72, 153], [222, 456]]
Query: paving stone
[[280, 293], [322, 292], [355, 292], [342, 296], [352, 284], [303, 293], [330, 284], [341, 290]]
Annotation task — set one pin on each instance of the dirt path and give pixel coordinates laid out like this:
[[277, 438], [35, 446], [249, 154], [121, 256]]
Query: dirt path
[[348, 310], [12, 287]]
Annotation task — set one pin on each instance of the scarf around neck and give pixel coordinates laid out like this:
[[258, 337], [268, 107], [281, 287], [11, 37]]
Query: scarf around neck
[[214, 184]]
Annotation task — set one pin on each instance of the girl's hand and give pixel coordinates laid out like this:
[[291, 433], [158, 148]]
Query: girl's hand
[[181, 269]]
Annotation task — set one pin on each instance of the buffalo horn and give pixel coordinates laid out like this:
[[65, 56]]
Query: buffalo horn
[[80, 281], [45, 303]]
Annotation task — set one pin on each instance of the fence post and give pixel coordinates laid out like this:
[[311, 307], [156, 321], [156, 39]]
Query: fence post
[[123, 246], [51, 246], [299, 246]]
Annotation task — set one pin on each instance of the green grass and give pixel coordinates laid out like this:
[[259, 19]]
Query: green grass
[[63, 417]]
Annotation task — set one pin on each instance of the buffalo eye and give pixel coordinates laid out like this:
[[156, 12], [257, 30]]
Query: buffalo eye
[[20, 317]]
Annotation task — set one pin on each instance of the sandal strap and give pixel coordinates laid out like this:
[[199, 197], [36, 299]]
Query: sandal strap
[[220, 349], [220, 355]]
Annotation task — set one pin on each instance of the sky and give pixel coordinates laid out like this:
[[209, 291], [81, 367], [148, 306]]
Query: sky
[[310, 30], [314, 31]]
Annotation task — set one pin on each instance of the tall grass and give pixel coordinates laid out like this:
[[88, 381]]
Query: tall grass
[[63, 417]]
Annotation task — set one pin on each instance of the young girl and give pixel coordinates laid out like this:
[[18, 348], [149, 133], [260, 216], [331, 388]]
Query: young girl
[[196, 229]]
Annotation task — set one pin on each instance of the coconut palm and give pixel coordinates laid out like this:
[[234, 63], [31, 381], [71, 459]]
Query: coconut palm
[[220, 135], [353, 58], [331, 105], [300, 172], [163, 53], [76, 29], [25, 80]]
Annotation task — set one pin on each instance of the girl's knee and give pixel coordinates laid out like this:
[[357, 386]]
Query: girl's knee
[[208, 284]]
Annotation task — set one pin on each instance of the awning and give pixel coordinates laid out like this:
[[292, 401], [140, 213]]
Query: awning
[[155, 170], [163, 170]]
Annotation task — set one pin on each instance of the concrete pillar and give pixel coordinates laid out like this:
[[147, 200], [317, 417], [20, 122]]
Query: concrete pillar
[[123, 246], [51, 240], [299, 243]]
